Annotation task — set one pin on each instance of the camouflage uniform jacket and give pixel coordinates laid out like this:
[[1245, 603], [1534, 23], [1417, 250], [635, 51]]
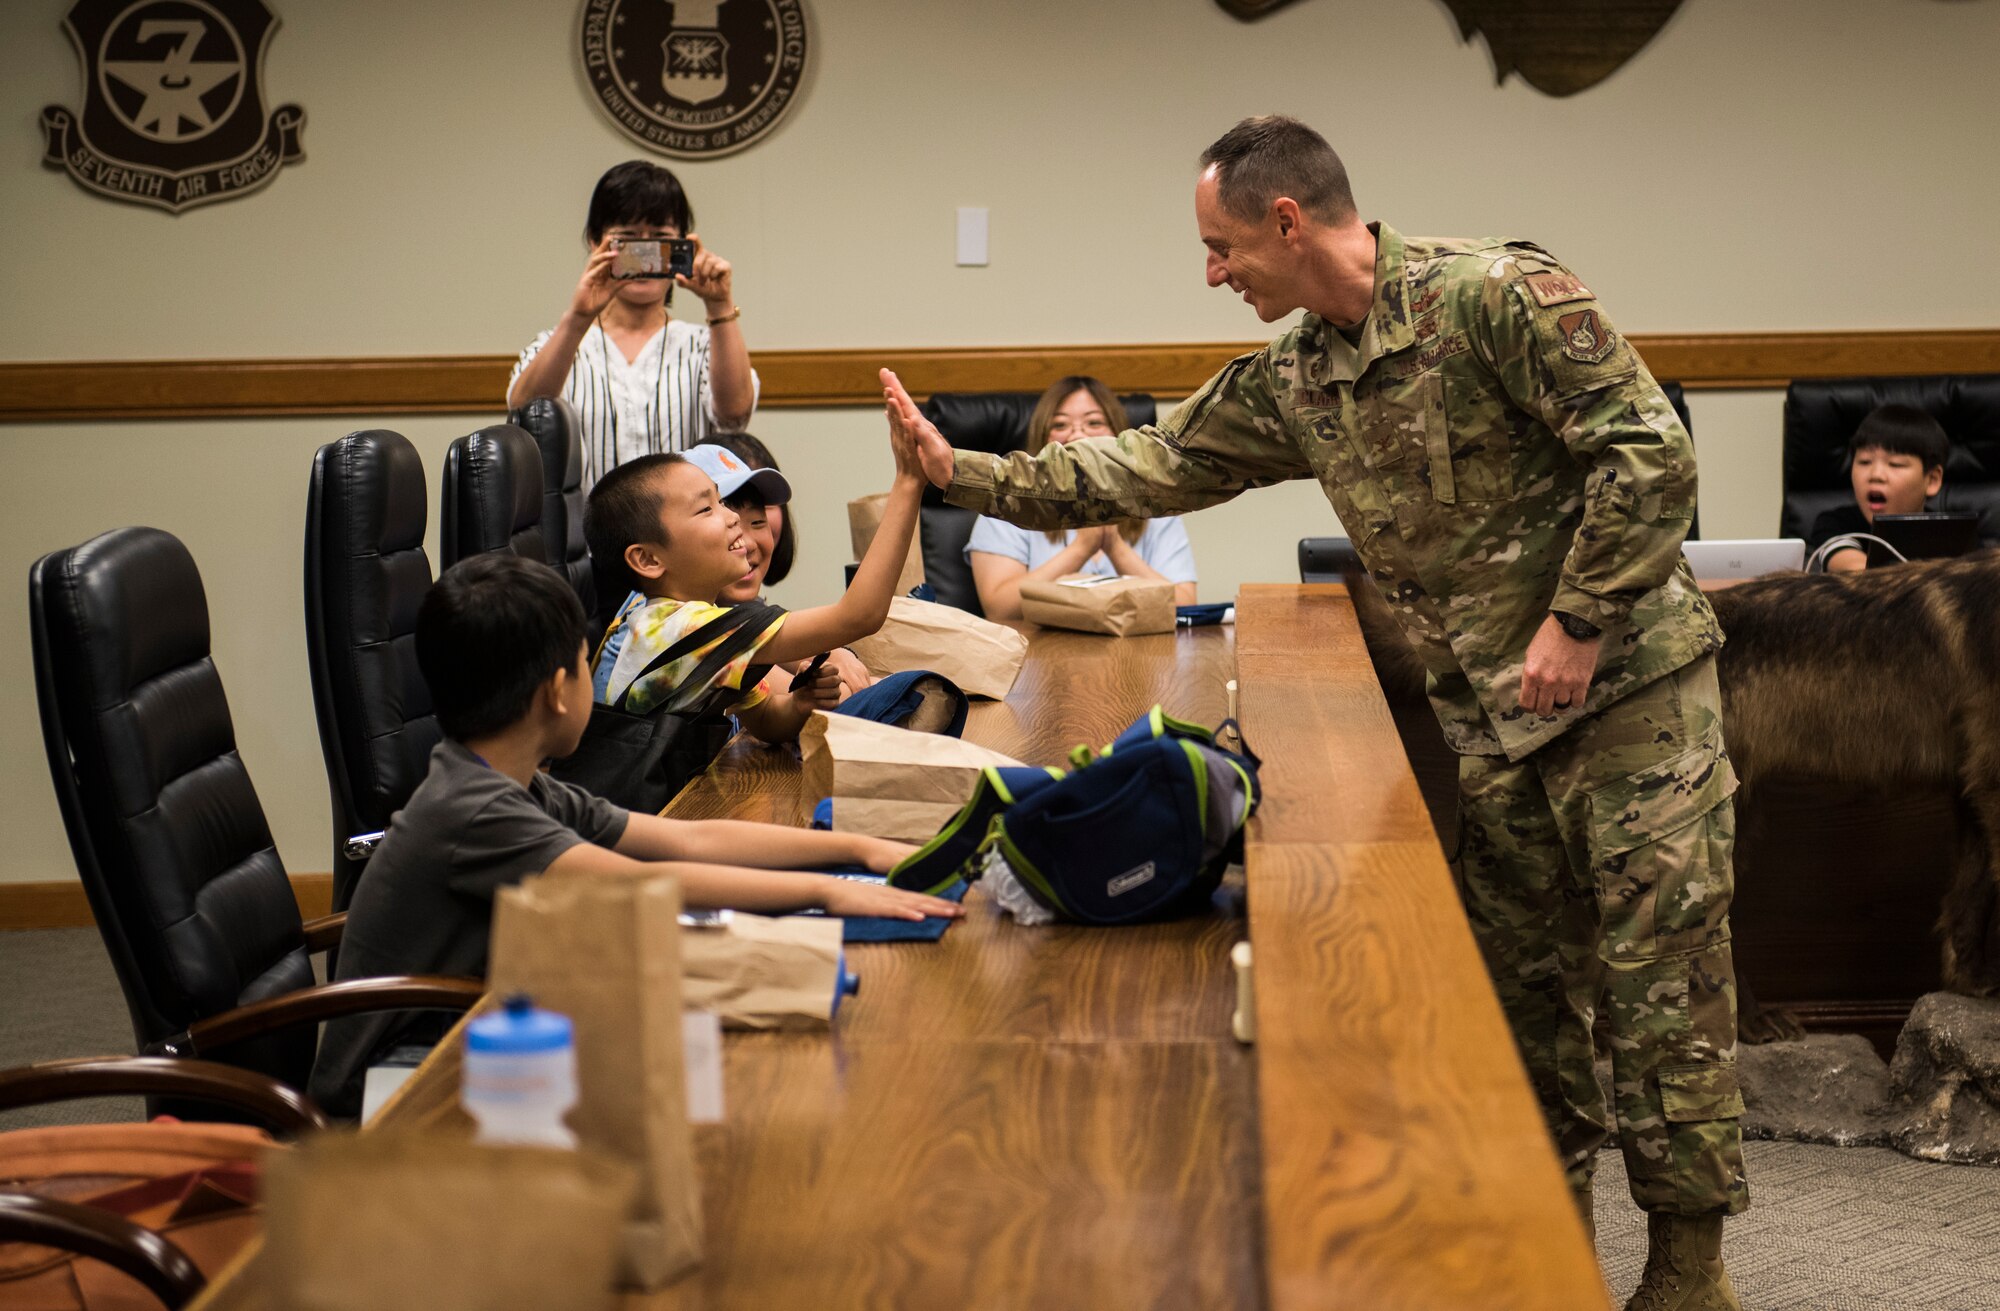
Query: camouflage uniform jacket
[[1493, 447]]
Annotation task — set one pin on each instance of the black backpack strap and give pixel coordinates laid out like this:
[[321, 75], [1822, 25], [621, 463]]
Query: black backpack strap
[[735, 630]]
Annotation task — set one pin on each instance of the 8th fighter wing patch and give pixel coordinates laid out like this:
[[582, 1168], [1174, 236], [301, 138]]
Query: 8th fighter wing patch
[[1584, 337]]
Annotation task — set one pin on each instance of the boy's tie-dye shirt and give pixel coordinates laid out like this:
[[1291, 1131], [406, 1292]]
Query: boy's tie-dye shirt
[[645, 628]]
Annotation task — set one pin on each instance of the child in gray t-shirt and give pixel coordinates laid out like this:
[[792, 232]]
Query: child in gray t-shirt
[[502, 644]]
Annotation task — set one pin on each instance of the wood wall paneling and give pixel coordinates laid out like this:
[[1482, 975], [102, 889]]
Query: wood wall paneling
[[64, 905], [39, 391]]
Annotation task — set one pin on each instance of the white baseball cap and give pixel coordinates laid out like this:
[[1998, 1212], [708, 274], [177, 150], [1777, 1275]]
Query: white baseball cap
[[732, 474]]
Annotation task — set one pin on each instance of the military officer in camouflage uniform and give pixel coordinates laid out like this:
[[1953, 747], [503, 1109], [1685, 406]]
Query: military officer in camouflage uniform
[[1519, 487]]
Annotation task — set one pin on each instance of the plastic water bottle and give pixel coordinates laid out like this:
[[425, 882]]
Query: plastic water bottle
[[520, 1075]]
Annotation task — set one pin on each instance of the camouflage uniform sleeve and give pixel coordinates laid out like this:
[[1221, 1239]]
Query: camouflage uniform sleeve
[[1225, 439], [1566, 365]]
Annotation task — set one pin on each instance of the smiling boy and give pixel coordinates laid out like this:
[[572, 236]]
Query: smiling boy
[[658, 526]]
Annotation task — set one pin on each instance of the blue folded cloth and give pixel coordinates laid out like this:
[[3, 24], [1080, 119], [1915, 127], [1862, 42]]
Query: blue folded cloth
[[894, 699], [1198, 616], [876, 928]]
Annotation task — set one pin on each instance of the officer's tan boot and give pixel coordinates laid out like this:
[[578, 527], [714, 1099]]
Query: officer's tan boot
[[1684, 1266]]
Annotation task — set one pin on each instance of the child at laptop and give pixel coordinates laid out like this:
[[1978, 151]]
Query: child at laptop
[[658, 527], [1896, 463], [502, 642]]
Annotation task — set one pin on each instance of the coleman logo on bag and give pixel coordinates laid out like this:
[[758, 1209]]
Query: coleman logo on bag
[[173, 103], [1129, 880]]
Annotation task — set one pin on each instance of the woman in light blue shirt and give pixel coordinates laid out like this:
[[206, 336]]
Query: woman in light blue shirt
[[1003, 556]]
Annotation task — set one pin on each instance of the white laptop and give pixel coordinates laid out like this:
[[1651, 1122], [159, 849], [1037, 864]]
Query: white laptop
[[1745, 559]]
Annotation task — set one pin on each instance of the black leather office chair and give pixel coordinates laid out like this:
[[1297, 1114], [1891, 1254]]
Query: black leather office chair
[[366, 575], [993, 421], [552, 423], [1820, 419], [169, 838], [492, 498]]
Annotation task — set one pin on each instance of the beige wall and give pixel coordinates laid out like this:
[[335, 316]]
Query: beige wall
[[1785, 164]]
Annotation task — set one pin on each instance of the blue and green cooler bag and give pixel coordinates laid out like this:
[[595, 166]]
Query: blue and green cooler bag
[[1141, 830]]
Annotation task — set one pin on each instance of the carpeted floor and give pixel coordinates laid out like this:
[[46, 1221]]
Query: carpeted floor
[[59, 997], [1836, 1229], [1831, 1228]]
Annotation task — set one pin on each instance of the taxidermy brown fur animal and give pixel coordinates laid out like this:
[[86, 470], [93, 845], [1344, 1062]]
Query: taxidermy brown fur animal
[[1880, 678]]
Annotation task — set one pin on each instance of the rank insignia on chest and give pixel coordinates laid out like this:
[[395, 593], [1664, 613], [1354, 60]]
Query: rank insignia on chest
[[1584, 336]]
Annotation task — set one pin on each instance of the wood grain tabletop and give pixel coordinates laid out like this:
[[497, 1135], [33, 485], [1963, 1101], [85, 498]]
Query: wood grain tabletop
[[1058, 1117], [1404, 1161]]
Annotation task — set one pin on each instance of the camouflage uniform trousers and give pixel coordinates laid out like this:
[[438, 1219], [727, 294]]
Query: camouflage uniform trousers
[[1597, 869]]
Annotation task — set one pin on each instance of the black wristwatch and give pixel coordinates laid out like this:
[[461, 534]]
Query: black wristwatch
[[1580, 629]]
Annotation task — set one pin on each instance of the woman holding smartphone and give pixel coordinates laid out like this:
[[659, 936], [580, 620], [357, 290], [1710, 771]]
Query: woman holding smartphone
[[640, 379]]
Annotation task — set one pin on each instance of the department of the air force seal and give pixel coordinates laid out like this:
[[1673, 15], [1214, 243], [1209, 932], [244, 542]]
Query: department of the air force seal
[[694, 78], [173, 102]]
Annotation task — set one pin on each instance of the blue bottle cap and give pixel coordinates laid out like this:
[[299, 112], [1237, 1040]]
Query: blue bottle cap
[[844, 984], [518, 1029]]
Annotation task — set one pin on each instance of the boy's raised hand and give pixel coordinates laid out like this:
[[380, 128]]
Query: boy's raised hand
[[933, 453], [903, 445]]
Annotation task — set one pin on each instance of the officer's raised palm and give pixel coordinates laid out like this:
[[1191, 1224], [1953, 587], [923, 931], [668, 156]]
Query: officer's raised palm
[[932, 448]]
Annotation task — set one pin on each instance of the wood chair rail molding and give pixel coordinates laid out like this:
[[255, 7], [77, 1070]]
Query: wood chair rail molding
[[63, 904], [59, 390]]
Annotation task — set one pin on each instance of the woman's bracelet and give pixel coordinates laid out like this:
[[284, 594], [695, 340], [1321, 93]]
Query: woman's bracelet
[[735, 313]]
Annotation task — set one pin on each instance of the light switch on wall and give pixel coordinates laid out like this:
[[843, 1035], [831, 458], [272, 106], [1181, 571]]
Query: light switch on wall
[[971, 235]]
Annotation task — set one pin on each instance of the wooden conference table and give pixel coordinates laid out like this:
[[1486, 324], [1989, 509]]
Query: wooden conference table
[[1059, 1117]]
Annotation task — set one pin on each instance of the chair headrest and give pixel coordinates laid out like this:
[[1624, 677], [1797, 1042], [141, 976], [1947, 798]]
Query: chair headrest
[[125, 607], [493, 495], [376, 496], [552, 422]]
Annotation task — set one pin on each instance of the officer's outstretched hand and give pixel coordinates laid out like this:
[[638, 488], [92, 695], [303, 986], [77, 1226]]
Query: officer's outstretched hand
[[1555, 678], [932, 448]]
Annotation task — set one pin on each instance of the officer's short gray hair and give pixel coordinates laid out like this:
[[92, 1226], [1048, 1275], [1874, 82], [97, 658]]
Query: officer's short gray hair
[[1261, 159]]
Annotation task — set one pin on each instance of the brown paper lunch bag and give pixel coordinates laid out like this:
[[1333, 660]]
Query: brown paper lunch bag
[[1117, 607], [864, 517], [397, 1220], [606, 953], [889, 782], [982, 657]]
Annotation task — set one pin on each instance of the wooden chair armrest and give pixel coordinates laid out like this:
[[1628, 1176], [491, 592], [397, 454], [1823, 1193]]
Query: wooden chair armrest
[[396, 992], [324, 932], [131, 1248], [285, 1110]]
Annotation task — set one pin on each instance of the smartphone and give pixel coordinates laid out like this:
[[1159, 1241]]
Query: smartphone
[[653, 257]]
